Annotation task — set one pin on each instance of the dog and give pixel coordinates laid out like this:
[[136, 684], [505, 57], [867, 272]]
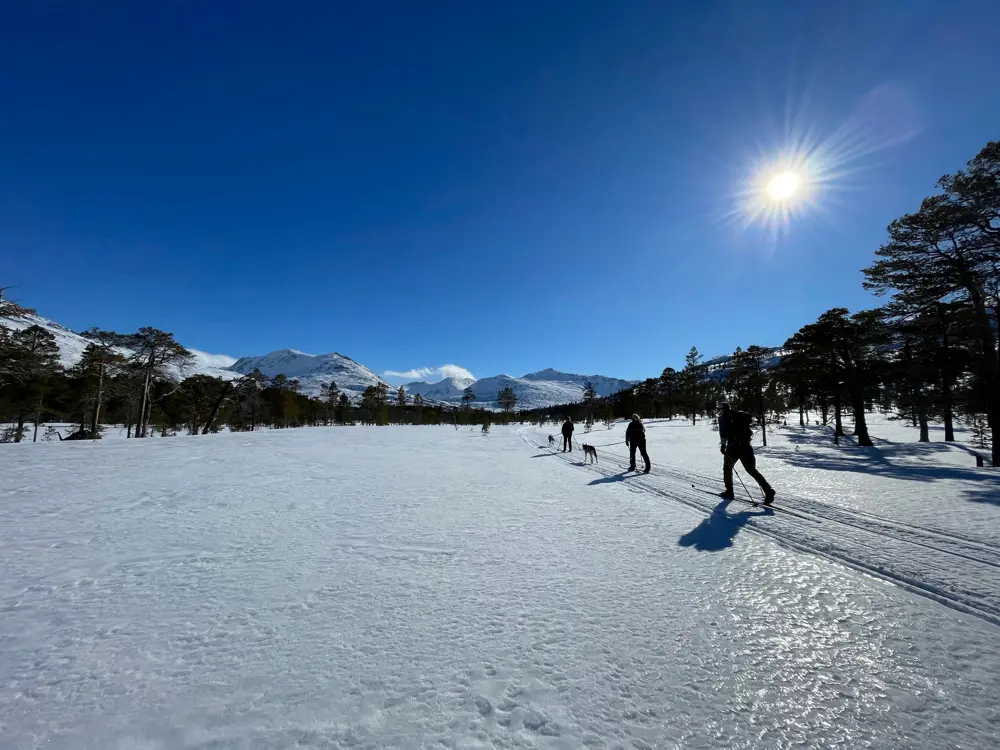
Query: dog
[[589, 451], [552, 441]]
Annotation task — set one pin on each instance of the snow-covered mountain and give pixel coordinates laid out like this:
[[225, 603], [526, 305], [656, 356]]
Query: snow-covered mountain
[[448, 390], [313, 371], [534, 390], [71, 346], [604, 385]]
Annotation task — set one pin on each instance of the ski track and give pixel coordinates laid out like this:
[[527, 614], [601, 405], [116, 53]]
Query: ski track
[[425, 587], [962, 577]]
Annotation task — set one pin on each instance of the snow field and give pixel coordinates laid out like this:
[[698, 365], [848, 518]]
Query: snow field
[[416, 587], [915, 514]]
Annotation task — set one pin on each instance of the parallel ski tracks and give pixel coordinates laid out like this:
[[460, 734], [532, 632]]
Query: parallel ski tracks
[[688, 487]]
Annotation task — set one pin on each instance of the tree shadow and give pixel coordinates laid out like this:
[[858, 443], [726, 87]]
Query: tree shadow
[[990, 496], [716, 532], [864, 462], [879, 460]]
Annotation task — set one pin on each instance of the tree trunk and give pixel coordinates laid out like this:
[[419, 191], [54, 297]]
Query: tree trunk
[[38, 414], [860, 423], [144, 408], [19, 433], [97, 403], [763, 420], [129, 413], [989, 366], [913, 415], [146, 416], [838, 425], [802, 410], [922, 419], [949, 424], [215, 409]]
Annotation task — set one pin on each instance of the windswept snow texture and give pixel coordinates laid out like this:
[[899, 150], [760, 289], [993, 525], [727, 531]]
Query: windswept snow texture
[[313, 371], [284, 589]]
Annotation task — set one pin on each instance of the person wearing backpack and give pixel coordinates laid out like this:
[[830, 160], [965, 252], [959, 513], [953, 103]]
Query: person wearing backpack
[[635, 439], [735, 433], [567, 433]]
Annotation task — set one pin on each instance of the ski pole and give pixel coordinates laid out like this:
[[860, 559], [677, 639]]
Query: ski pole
[[744, 486]]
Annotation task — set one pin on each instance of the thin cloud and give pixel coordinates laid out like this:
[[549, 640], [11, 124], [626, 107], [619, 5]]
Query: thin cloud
[[212, 360], [413, 374], [433, 373], [454, 371]]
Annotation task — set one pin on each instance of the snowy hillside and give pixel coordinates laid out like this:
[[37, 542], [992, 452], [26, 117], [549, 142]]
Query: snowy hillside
[[283, 589], [534, 390], [313, 371], [448, 390], [71, 347], [604, 386]]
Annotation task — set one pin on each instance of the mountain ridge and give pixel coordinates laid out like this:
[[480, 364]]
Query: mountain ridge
[[547, 387]]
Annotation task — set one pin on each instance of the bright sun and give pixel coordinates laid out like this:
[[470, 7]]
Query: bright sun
[[784, 186]]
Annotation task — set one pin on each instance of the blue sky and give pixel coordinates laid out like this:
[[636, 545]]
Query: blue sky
[[498, 186]]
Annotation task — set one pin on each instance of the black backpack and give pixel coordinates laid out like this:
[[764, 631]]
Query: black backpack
[[739, 426]]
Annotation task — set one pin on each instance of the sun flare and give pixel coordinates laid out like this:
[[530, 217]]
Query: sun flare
[[784, 186]]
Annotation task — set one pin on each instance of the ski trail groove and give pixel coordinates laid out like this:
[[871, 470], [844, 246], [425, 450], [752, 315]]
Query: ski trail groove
[[914, 565], [838, 514]]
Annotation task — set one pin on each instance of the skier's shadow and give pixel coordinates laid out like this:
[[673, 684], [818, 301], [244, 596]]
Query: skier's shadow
[[717, 532]]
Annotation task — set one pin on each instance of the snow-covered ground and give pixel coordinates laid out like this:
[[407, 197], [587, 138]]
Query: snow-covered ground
[[422, 586]]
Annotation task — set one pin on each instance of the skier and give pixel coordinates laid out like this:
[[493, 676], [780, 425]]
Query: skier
[[635, 439], [567, 433], [735, 434]]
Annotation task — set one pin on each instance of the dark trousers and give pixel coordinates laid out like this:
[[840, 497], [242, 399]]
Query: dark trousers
[[637, 445], [567, 443], [744, 455]]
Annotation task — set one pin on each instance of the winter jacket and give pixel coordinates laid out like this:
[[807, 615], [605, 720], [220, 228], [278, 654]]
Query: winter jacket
[[734, 427], [635, 432], [567, 428]]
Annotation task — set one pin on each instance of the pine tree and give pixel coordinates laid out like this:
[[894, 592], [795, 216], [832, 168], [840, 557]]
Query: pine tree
[[692, 382], [370, 404], [949, 251], [34, 363], [153, 353], [331, 395], [668, 386], [418, 409], [589, 402], [344, 409], [750, 382], [101, 361], [507, 400], [98, 365], [467, 398], [401, 397]]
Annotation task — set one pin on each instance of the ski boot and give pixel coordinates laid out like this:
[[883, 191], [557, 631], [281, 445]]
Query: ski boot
[[769, 496], [727, 495]]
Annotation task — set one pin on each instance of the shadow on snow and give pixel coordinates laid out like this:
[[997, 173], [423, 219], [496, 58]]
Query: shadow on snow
[[717, 532], [879, 460]]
